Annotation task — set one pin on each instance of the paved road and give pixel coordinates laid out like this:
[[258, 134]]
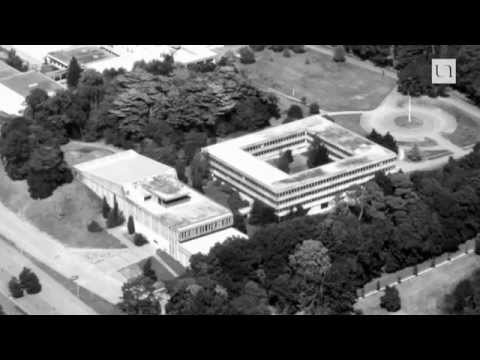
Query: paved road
[[52, 253], [54, 299]]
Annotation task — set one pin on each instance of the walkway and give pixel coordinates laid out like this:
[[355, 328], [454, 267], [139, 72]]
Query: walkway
[[54, 299], [52, 253]]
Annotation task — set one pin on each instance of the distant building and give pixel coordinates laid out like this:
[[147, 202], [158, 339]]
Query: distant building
[[15, 86], [243, 163], [174, 217]]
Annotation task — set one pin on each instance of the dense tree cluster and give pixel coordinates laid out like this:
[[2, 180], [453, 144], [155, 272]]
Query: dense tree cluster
[[168, 118], [30, 152], [163, 67], [246, 55], [380, 55], [387, 140], [315, 264], [16, 61]]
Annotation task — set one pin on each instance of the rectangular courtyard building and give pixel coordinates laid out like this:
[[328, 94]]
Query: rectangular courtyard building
[[248, 164], [172, 215]]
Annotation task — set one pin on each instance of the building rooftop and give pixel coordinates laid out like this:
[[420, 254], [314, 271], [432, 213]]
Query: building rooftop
[[24, 82], [361, 151], [35, 54], [84, 54], [140, 176]]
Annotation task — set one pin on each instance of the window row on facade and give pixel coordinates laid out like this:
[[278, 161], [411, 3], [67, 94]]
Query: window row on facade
[[334, 178], [205, 228], [275, 141]]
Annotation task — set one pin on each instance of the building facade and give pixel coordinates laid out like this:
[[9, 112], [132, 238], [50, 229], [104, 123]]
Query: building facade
[[167, 211], [246, 164]]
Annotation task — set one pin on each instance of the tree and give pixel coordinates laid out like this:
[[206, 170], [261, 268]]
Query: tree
[[1, 311], [310, 260], [16, 61], [105, 208], [139, 240], [34, 101], [283, 163], [94, 227], [138, 297], [317, 154], [294, 112], [339, 53], [199, 171], [261, 214], [15, 288], [47, 171], [131, 225], [163, 67], [180, 168], [148, 270], [257, 47], [115, 217], [384, 182], [286, 53], [314, 108], [414, 154], [74, 72], [246, 55], [29, 281], [391, 300], [239, 222]]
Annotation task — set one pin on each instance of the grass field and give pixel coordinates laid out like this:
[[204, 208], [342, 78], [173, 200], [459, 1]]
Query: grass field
[[424, 295], [351, 122], [334, 86], [65, 215]]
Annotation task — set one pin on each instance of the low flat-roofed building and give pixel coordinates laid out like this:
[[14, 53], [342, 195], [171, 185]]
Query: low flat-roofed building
[[85, 56], [246, 164], [35, 55], [150, 192], [15, 86]]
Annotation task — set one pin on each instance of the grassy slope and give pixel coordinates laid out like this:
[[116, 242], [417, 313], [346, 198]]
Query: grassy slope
[[424, 294], [334, 86]]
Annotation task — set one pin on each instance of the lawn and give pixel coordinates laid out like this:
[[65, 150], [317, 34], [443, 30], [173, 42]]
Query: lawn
[[64, 215], [335, 86], [468, 127], [424, 295], [350, 122]]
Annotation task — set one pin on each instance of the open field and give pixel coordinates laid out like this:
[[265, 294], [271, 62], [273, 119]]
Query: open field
[[334, 86], [65, 215], [424, 295]]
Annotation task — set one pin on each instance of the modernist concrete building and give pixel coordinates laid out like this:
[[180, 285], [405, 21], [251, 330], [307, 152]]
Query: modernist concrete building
[[247, 163], [174, 217]]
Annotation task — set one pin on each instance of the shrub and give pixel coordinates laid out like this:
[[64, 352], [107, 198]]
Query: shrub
[[339, 54], [131, 225], [15, 288], [257, 47], [295, 112], [391, 300], [415, 270], [148, 271], [277, 48], [105, 208], [286, 53], [29, 281], [378, 286], [94, 227], [307, 61], [298, 49], [314, 108], [246, 55], [140, 240], [303, 99]]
